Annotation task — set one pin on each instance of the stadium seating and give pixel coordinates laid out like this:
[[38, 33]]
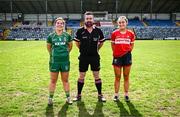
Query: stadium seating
[[29, 33], [159, 29], [157, 32], [73, 23], [160, 22], [135, 22], [6, 24], [1, 33], [150, 32]]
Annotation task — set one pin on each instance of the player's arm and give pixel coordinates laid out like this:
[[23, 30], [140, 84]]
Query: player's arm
[[132, 40], [132, 46], [112, 41], [77, 39], [112, 46], [70, 44], [49, 47], [49, 42]]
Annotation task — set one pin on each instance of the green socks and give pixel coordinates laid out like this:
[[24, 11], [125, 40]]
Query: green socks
[[51, 94], [67, 94]]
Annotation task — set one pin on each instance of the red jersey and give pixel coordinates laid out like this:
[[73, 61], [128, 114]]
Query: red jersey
[[122, 42]]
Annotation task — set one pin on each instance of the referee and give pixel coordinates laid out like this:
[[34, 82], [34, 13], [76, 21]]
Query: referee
[[89, 39]]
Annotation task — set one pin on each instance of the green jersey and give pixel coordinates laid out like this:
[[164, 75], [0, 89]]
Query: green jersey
[[59, 47]]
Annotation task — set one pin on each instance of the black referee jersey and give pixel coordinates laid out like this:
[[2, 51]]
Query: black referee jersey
[[89, 41]]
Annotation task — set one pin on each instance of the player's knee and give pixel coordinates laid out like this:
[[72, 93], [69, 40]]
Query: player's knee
[[126, 76], [118, 76], [53, 81], [65, 80], [117, 79]]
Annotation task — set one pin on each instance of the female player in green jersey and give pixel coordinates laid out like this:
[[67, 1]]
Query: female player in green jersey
[[59, 45]]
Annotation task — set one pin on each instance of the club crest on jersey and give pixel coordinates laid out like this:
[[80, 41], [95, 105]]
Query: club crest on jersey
[[95, 39], [115, 60], [64, 38], [66, 67]]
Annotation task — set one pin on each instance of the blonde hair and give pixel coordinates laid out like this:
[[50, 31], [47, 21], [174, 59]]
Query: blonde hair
[[59, 18], [122, 18]]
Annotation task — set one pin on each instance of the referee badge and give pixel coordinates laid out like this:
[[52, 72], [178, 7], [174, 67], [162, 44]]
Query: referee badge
[[95, 39]]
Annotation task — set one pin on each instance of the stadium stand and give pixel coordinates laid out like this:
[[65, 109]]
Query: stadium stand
[[28, 33], [152, 32], [148, 22], [135, 22], [73, 23], [1, 34], [160, 23]]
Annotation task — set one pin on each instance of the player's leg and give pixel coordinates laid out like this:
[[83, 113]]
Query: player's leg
[[117, 73], [95, 67], [126, 71], [66, 85], [52, 86], [54, 72]]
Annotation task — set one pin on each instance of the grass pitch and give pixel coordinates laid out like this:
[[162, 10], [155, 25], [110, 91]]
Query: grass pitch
[[154, 82]]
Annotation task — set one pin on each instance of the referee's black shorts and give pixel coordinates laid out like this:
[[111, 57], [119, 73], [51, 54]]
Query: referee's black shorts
[[125, 60], [85, 61]]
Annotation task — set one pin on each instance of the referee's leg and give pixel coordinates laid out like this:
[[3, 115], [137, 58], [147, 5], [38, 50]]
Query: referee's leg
[[95, 67], [83, 67]]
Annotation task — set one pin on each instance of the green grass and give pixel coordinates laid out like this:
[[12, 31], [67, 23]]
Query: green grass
[[154, 88]]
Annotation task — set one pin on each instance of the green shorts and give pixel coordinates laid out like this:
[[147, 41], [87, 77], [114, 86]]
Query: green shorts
[[59, 67]]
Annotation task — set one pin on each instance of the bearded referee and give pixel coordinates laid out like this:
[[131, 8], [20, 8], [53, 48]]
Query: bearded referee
[[89, 39]]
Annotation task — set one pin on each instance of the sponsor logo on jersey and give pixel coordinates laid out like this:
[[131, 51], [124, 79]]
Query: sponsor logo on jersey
[[60, 43], [122, 41]]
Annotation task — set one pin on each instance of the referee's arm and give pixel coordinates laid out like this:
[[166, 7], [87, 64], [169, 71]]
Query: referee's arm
[[77, 42], [101, 40], [100, 45]]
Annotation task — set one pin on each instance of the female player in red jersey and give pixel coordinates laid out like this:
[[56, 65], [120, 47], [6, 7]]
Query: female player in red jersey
[[122, 44]]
